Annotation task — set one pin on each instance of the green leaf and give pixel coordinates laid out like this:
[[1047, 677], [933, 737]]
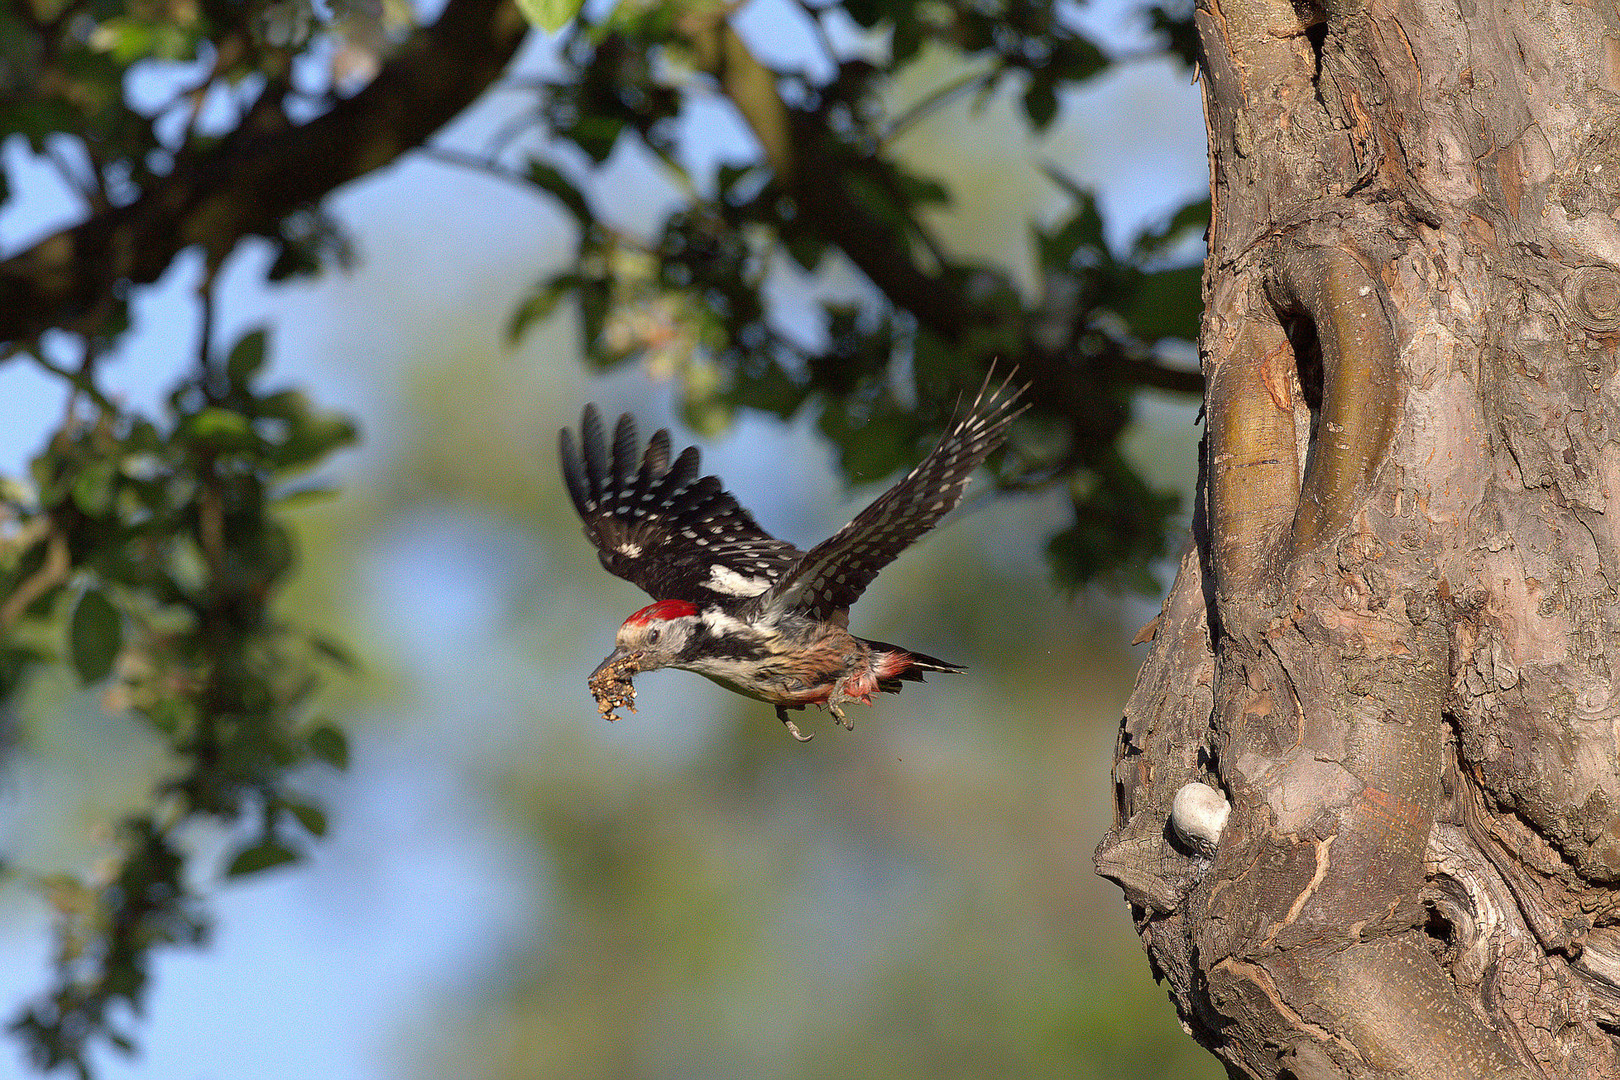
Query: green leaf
[[335, 652], [1166, 304], [310, 817], [1176, 23], [548, 179], [330, 745], [771, 390], [314, 437], [287, 405], [596, 134], [247, 357], [294, 498], [95, 636], [807, 251], [878, 201], [1082, 234], [1078, 191], [128, 39], [311, 433], [218, 427], [93, 487], [1040, 103], [866, 13], [906, 40], [1074, 59], [261, 856], [922, 191], [1155, 241], [550, 15], [537, 307]]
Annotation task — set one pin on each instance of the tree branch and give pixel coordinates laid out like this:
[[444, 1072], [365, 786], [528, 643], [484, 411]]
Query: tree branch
[[267, 168], [939, 301]]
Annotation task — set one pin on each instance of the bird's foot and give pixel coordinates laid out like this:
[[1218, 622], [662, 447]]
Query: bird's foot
[[793, 729], [838, 714]]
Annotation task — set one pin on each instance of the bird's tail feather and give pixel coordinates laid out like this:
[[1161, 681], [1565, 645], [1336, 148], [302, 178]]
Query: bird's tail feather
[[920, 663]]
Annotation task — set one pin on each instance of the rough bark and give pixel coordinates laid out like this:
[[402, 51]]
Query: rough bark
[[1392, 643]]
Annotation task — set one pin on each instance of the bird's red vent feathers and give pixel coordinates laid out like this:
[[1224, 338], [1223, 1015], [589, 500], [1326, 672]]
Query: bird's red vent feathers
[[664, 609]]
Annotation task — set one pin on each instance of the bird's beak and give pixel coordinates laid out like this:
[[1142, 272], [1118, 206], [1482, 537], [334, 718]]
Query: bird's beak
[[615, 657]]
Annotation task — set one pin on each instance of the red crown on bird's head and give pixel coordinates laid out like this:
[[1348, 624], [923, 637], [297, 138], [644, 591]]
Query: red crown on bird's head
[[664, 609]]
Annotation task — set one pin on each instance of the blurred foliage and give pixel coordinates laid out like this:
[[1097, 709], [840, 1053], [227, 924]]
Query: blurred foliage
[[691, 299], [147, 553], [149, 556]]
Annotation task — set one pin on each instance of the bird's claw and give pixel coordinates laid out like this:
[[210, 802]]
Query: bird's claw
[[843, 721], [793, 729]]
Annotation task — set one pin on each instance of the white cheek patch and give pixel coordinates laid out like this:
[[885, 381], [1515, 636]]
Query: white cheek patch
[[723, 579]]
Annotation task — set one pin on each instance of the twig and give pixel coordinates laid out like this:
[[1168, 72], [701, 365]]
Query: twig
[[465, 160], [205, 339], [79, 380], [79, 185], [934, 102], [51, 573]]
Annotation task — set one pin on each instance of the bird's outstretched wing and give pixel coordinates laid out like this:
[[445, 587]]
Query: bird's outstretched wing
[[836, 571], [661, 526]]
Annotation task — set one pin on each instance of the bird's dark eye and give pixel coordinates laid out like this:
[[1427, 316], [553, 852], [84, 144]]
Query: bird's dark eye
[[653, 635]]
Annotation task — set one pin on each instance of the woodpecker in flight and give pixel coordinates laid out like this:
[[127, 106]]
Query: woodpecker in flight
[[751, 612]]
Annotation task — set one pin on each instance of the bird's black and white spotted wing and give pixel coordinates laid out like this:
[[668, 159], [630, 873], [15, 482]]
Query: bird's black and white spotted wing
[[836, 571], [661, 526]]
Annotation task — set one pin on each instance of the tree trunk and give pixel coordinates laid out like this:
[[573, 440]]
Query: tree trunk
[[1392, 644]]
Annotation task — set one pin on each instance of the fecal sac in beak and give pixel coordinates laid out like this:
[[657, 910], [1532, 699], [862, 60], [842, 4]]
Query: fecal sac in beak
[[619, 656], [610, 683]]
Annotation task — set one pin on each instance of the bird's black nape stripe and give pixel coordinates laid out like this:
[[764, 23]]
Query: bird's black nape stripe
[[706, 641]]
